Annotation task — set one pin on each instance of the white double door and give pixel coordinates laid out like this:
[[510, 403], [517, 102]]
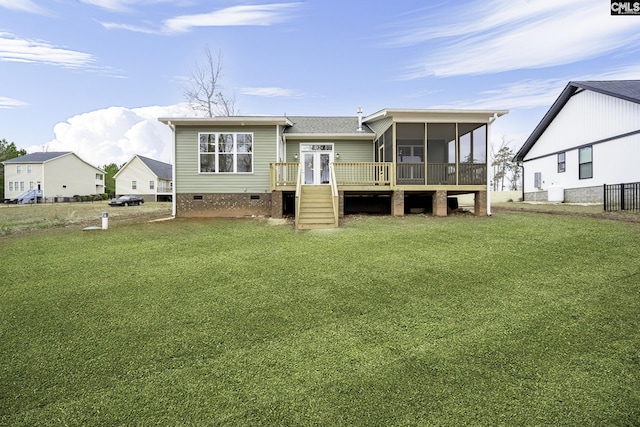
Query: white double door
[[316, 166]]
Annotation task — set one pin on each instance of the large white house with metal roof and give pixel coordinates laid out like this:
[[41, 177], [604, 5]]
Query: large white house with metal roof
[[589, 137], [50, 176], [395, 161], [147, 178]]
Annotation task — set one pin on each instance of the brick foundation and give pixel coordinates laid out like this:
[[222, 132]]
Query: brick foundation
[[440, 206], [276, 204], [397, 203], [224, 205], [480, 203]]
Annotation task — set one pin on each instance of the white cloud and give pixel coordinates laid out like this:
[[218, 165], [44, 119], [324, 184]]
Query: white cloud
[[265, 14], [116, 134], [502, 35], [14, 49], [133, 28], [23, 6], [6, 103], [271, 92], [122, 5]]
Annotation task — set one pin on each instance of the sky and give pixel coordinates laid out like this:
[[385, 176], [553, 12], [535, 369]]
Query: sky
[[93, 76]]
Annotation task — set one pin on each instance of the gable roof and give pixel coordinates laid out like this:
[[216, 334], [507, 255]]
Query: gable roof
[[161, 169], [629, 90], [313, 127], [325, 125], [39, 157], [46, 156]]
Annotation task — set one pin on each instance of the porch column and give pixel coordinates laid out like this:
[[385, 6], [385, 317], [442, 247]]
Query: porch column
[[440, 203], [480, 203], [340, 204], [397, 203], [276, 204]]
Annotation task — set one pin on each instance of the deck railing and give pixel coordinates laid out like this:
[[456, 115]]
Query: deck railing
[[363, 173], [388, 174], [472, 174], [284, 173]]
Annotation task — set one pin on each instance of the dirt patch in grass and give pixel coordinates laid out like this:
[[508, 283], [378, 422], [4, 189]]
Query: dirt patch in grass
[[583, 210]]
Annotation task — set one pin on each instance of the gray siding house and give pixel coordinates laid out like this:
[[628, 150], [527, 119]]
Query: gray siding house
[[395, 161]]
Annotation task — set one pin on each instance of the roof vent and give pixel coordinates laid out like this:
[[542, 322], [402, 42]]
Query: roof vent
[[359, 119]]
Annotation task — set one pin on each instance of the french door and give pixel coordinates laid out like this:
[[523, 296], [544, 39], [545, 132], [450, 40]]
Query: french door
[[315, 160]]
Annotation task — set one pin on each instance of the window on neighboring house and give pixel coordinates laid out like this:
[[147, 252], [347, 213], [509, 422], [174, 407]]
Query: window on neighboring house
[[585, 162], [152, 185], [21, 185], [537, 180], [28, 168], [562, 162], [226, 152], [10, 185], [134, 185], [31, 185], [18, 169]]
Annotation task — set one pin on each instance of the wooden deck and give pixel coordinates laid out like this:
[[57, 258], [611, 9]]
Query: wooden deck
[[383, 176]]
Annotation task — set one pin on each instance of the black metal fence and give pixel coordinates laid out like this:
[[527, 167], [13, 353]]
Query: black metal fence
[[622, 197]]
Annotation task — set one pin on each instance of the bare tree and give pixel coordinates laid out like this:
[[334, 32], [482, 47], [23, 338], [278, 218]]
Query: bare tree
[[503, 166], [204, 90]]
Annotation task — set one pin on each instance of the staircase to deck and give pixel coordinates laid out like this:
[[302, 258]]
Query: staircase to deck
[[315, 208]]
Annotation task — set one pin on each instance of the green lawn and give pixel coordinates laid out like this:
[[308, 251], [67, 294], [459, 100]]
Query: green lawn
[[515, 319]]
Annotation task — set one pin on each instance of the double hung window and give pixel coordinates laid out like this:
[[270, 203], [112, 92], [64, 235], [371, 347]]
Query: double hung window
[[585, 162], [562, 162], [226, 153]]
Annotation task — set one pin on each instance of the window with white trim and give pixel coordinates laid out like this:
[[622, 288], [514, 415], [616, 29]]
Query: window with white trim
[[152, 185], [28, 168], [10, 185], [134, 185], [18, 169], [226, 152]]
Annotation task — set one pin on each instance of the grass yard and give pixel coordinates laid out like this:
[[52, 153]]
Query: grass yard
[[516, 319], [21, 218]]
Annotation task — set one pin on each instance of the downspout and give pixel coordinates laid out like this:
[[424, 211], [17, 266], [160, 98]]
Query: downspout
[[173, 170], [522, 178], [491, 120]]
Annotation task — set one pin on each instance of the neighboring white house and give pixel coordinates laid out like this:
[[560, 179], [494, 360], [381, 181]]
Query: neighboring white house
[[145, 177], [589, 137], [50, 176]]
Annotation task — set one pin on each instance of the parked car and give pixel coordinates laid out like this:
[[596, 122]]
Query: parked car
[[126, 201]]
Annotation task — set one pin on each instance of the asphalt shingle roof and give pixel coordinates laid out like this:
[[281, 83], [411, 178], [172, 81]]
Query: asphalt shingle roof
[[39, 157], [325, 125], [161, 169]]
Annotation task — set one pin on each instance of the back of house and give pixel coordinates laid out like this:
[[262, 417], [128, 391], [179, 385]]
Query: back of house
[[317, 169]]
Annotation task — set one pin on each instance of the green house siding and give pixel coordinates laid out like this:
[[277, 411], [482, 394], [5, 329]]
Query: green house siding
[[380, 126], [189, 179], [349, 150]]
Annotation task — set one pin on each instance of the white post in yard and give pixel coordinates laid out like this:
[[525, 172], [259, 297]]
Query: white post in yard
[[105, 220]]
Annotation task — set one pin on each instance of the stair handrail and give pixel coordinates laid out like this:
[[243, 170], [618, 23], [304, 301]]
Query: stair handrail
[[298, 191], [334, 192]]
